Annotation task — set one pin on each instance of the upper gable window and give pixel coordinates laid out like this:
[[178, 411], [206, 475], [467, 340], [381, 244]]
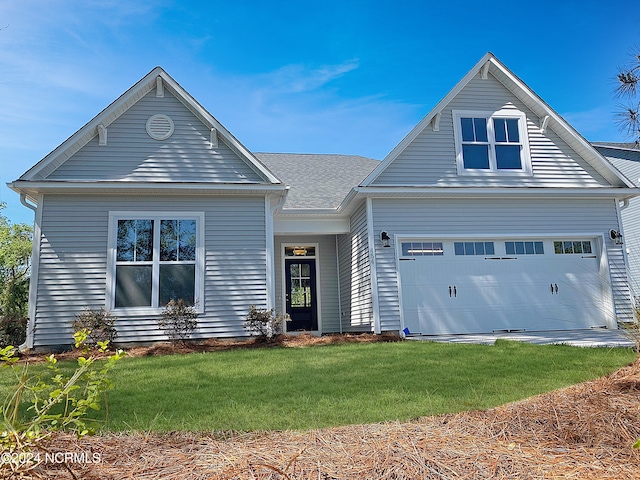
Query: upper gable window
[[491, 143]]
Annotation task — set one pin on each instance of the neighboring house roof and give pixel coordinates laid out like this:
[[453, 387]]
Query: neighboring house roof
[[317, 181], [618, 145], [547, 117], [156, 79]]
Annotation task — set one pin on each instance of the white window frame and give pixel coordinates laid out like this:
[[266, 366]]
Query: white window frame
[[525, 155], [155, 308]]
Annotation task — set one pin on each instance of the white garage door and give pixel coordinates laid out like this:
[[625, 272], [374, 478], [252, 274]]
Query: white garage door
[[497, 285]]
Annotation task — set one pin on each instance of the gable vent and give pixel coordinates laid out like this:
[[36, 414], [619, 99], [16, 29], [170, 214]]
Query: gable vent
[[160, 127]]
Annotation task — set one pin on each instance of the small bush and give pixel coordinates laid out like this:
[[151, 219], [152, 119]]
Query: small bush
[[179, 320], [265, 324], [100, 325], [43, 403], [13, 331]]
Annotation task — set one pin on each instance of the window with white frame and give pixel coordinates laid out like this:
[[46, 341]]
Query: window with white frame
[[491, 143], [155, 258]]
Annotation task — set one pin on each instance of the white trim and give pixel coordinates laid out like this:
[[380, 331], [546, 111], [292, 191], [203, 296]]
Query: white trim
[[316, 259], [544, 123], [112, 112], [270, 252], [339, 279], [213, 142], [102, 135], [484, 72], [435, 123], [521, 91], [373, 266], [493, 170], [114, 216], [35, 271], [159, 87]]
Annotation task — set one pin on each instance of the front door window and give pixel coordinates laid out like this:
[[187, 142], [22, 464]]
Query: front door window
[[301, 303]]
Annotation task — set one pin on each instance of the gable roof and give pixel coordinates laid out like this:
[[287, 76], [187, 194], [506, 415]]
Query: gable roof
[[318, 181], [490, 64], [155, 79]]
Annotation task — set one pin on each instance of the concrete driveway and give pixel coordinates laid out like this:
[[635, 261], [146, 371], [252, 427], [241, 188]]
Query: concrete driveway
[[597, 337]]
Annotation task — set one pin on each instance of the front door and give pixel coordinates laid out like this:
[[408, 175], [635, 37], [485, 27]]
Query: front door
[[301, 299]]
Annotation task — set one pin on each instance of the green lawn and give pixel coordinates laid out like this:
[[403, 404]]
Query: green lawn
[[321, 386]]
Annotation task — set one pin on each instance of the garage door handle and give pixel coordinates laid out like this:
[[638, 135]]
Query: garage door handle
[[449, 291], [554, 288], [453, 291]]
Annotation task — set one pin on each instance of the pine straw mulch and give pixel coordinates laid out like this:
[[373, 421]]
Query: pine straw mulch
[[580, 432]]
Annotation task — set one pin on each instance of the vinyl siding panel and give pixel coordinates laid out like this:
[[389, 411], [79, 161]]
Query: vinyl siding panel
[[487, 217], [73, 263], [628, 162], [431, 158], [326, 271], [132, 155], [355, 275]]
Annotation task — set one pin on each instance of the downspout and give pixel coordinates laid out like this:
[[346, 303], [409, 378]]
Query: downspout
[[23, 201], [31, 313], [271, 301]]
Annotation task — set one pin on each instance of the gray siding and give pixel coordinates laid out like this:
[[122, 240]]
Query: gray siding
[[628, 162], [327, 272], [431, 158], [73, 262], [131, 154], [487, 217], [355, 275]]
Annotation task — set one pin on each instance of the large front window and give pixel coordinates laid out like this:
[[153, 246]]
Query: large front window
[[491, 142], [156, 260]]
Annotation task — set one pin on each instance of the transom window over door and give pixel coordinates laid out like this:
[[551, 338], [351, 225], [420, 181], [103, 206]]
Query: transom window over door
[[491, 143], [156, 260]]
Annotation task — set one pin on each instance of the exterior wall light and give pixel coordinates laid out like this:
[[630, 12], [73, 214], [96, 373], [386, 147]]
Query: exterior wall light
[[616, 236], [384, 237]]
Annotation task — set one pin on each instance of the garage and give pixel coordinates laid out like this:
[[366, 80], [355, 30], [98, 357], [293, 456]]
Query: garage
[[458, 286]]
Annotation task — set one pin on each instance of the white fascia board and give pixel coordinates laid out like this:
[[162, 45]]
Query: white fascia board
[[123, 103], [559, 125], [498, 192], [228, 138], [489, 62], [31, 188]]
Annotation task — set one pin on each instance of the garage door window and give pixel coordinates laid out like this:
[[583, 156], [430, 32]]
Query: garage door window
[[573, 247], [524, 248], [421, 249], [474, 248]]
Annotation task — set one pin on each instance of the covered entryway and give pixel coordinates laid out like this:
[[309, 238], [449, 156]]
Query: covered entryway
[[489, 285]]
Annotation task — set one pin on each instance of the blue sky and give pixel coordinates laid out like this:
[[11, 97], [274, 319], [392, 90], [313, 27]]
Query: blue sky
[[329, 76]]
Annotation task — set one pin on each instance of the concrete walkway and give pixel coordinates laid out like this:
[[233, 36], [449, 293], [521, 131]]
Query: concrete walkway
[[597, 337]]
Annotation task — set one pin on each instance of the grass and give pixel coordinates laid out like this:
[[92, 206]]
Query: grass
[[322, 386]]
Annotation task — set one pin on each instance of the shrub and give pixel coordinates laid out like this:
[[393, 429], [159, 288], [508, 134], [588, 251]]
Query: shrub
[[99, 324], [179, 320], [265, 324], [57, 401], [13, 331]]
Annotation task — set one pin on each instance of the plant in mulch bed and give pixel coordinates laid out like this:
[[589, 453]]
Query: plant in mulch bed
[[100, 325], [178, 320], [54, 401], [264, 324]]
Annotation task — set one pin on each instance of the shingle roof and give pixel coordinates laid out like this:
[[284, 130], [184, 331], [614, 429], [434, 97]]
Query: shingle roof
[[317, 180]]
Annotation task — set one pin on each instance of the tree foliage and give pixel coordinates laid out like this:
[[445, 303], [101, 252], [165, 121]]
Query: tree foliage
[[15, 265], [628, 115]]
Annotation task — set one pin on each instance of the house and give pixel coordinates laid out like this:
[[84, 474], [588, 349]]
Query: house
[[626, 158], [493, 214]]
